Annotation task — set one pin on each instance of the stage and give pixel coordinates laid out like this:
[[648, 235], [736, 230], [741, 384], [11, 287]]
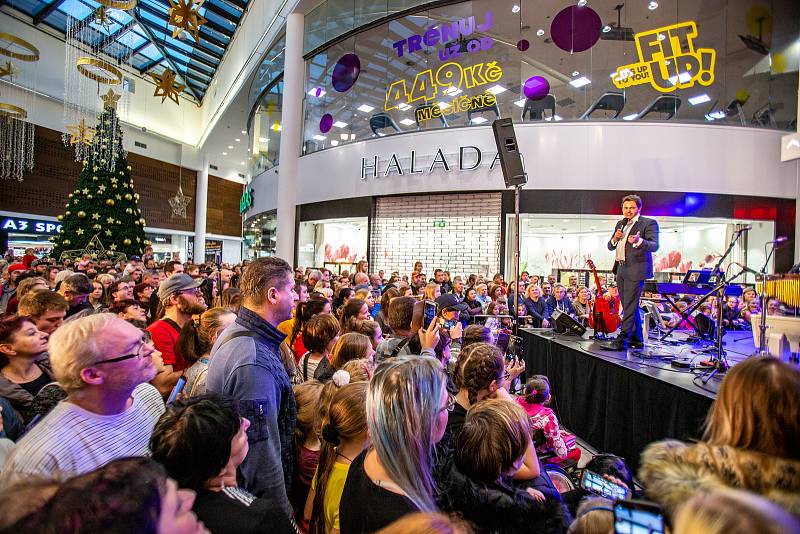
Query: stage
[[620, 402]]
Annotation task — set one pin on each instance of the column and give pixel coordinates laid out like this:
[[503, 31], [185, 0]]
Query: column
[[200, 207], [291, 135]]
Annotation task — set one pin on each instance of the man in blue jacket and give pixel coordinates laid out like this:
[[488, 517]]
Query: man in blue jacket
[[246, 365], [559, 301]]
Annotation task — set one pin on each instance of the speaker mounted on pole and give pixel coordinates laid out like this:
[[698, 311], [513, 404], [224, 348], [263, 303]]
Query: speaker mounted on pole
[[509, 153]]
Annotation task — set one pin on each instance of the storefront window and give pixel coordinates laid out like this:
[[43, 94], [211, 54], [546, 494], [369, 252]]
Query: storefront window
[[562, 244], [337, 244], [260, 236], [266, 130], [466, 64], [169, 246]]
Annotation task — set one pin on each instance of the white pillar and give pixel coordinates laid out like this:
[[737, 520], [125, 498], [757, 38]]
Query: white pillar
[[200, 207], [291, 135]]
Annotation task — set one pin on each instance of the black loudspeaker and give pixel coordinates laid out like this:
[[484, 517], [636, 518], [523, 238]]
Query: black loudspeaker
[[563, 323], [508, 151]]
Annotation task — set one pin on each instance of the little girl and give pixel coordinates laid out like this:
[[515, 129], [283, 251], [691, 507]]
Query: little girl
[[537, 394]]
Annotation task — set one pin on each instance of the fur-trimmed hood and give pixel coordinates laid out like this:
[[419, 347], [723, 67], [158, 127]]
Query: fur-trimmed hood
[[673, 471]]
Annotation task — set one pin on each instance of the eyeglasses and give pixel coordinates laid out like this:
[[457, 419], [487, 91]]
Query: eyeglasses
[[451, 403], [138, 354], [192, 291]]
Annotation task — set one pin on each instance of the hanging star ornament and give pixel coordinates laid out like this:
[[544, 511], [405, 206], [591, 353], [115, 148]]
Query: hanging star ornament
[[166, 85], [184, 15], [110, 100], [80, 134], [8, 69], [178, 204], [102, 18]]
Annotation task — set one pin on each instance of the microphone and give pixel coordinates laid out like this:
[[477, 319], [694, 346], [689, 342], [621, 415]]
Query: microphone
[[622, 224], [744, 229], [779, 240]]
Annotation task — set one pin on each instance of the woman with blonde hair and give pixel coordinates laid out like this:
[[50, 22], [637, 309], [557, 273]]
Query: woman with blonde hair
[[407, 406], [432, 291], [733, 512], [194, 343], [751, 441], [344, 437]]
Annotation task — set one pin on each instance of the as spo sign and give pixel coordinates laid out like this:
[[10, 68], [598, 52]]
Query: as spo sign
[[29, 226], [668, 60]]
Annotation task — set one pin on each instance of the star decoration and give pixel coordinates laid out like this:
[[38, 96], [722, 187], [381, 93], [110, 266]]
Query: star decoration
[[178, 204], [102, 188], [108, 233], [184, 15], [118, 197], [112, 246], [8, 69], [94, 255], [79, 231], [113, 180], [110, 99], [85, 191], [166, 86], [96, 250], [95, 216], [80, 134], [102, 18], [110, 220]]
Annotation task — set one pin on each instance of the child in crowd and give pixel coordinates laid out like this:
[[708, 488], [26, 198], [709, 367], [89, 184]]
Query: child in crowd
[[476, 481], [306, 442], [320, 334], [344, 434], [544, 420]]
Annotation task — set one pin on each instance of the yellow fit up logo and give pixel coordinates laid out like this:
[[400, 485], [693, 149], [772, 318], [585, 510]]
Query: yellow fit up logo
[[668, 60]]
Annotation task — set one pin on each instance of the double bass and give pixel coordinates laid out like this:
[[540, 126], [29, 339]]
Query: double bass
[[605, 310]]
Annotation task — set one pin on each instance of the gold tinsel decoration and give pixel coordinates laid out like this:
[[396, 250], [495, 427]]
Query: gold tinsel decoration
[[184, 15]]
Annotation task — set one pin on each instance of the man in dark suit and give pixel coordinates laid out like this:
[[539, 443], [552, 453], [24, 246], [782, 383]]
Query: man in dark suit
[[634, 241]]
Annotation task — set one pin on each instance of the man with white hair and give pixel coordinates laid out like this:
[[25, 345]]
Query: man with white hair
[[103, 363]]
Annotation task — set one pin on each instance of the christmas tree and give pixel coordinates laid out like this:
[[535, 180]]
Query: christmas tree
[[104, 204]]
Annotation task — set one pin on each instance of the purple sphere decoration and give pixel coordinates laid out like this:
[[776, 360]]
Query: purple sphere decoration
[[576, 29], [345, 72], [325, 123], [523, 45], [536, 88]]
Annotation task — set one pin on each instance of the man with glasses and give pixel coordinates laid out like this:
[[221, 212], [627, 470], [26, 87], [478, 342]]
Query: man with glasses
[[103, 364], [180, 298]]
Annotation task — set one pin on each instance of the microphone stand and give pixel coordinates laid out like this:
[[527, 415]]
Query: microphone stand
[[762, 323], [719, 363]]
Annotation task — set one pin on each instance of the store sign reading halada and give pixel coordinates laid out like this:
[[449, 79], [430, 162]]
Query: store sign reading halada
[[468, 158]]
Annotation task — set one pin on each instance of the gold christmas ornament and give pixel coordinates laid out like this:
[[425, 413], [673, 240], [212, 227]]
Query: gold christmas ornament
[[128, 210], [166, 85], [8, 69], [66, 241], [60, 217], [81, 214], [142, 221], [184, 15], [123, 5], [102, 18], [99, 71], [113, 246], [89, 197], [118, 221], [67, 213], [126, 241], [80, 133], [129, 167], [110, 201], [128, 196], [69, 196], [136, 196], [110, 99], [9, 44], [97, 227]]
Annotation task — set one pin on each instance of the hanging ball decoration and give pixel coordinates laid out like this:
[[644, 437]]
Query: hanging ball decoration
[[523, 45], [97, 227], [60, 217], [89, 197], [136, 196], [129, 167], [136, 222], [114, 186], [128, 196], [68, 213], [67, 241], [121, 173], [110, 202], [81, 214], [325, 123], [576, 28], [128, 211], [126, 241], [345, 72], [142, 221], [148, 242], [118, 221], [536, 87], [94, 178]]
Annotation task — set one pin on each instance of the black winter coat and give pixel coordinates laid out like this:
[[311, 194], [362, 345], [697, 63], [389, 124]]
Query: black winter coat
[[498, 507]]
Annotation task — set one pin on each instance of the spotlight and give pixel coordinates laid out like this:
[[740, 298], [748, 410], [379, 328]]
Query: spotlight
[[652, 5]]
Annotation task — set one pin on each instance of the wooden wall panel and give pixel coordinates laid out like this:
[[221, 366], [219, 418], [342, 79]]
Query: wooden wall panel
[[223, 207], [44, 190]]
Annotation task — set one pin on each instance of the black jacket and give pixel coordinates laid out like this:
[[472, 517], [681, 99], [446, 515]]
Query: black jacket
[[639, 260], [498, 506]]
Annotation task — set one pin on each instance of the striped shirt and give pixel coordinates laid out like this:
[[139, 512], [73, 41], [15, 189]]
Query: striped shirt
[[70, 440]]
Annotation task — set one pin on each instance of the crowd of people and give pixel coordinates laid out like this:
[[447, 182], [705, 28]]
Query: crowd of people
[[183, 398]]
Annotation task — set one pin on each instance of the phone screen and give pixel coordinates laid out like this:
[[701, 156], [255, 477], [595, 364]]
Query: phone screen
[[638, 517], [430, 314], [595, 483], [514, 347], [177, 389]]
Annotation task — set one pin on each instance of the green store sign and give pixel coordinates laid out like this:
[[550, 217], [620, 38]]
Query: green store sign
[[246, 202]]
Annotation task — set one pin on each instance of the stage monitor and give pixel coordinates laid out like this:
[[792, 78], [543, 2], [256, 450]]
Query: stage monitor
[[564, 324]]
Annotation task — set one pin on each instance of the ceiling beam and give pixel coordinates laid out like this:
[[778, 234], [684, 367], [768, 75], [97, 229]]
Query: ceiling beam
[[46, 11], [213, 8], [201, 48], [227, 32], [144, 7], [239, 4], [136, 50], [163, 53], [119, 33]]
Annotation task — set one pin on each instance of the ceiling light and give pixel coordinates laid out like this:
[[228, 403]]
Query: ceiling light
[[652, 5], [581, 3], [407, 122], [334, 142], [683, 77], [539, 32], [515, 9], [343, 137], [319, 137], [237, 139], [318, 92], [661, 36], [575, 73], [606, 28], [699, 99], [443, 105], [263, 140], [244, 132], [554, 117], [241, 163], [352, 137], [224, 153], [719, 114], [577, 83], [496, 89], [365, 108], [403, 107], [630, 117], [340, 124], [479, 120], [520, 102], [230, 147]]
